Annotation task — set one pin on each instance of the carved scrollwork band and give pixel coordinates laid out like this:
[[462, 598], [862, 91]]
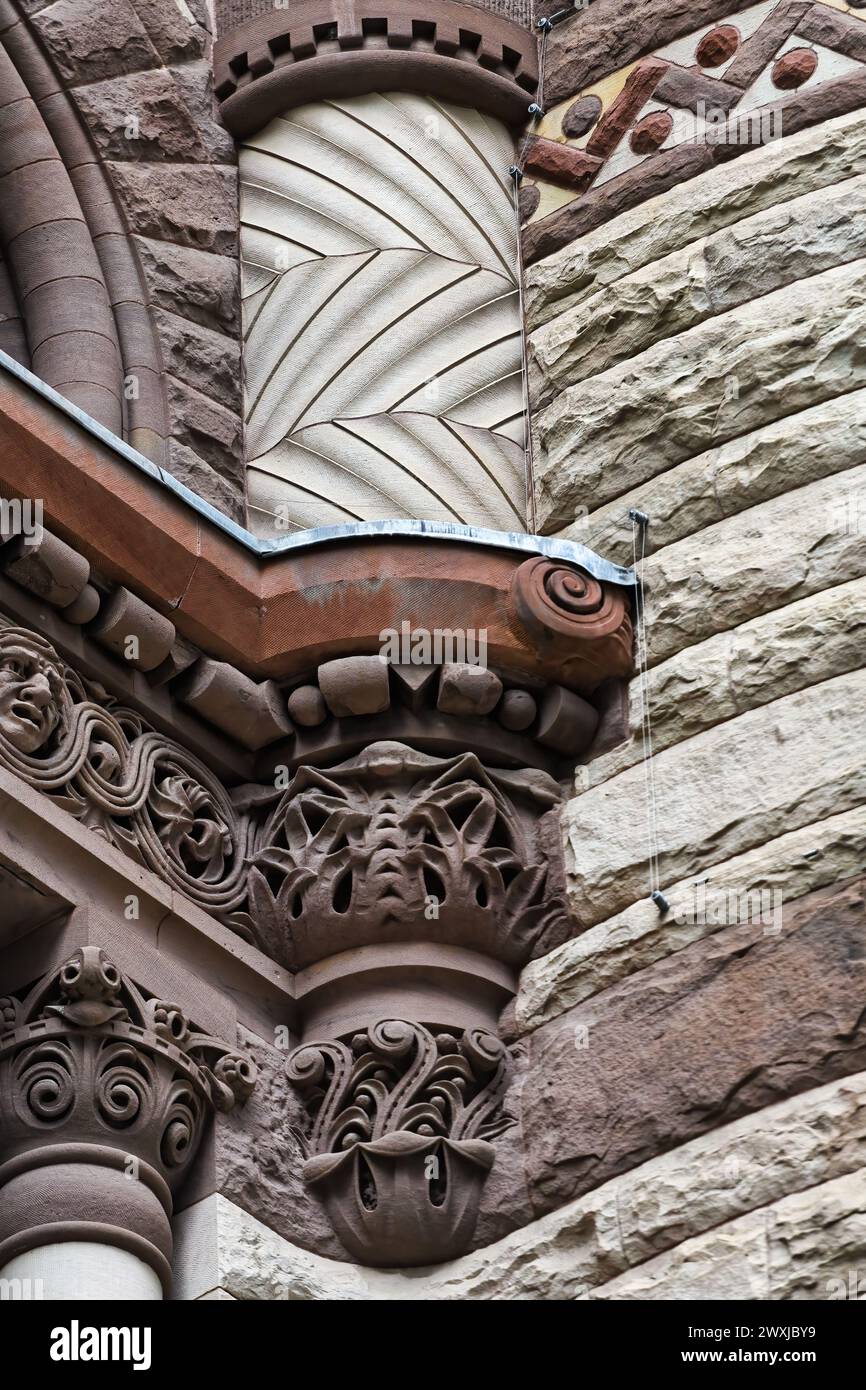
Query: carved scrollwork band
[[399, 1136], [140, 791]]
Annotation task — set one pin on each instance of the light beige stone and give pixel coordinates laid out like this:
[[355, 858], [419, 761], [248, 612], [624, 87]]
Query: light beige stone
[[789, 867], [723, 1182], [803, 1247], [745, 261], [783, 169], [717, 381], [806, 642], [719, 794], [769, 556], [728, 480]]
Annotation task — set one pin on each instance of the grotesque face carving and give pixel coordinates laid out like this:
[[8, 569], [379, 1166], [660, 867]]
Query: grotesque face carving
[[31, 691]]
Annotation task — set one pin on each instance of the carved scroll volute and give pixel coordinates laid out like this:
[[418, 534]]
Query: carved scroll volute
[[399, 1141], [566, 611], [110, 1091]]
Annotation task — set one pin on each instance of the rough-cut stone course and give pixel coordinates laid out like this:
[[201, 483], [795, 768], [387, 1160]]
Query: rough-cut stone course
[[719, 380], [790, 866], [139, 74], [737, 1021], [725, 791]]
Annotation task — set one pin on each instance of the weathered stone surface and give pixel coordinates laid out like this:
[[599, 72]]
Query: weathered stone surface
[[773, 655], [191, 206], [178, 31], [467, 690], [728, 480], [208, 430], [726, 376], [307, 707], [90, 42], [208, 361], [140, 116], [191, 469], [795, 1146], [727, 790], [597, 42], [197, 285], [794, 68], [581, 116], [761, 178], [733, 266], [803, 1247], [560, 163], [355, 685], [768, 556], [789, 867], [258, 1158], [517, 710], [695, 1042]]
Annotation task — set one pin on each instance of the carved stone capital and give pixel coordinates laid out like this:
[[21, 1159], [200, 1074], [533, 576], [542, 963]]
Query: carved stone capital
[[399, 1141], [104, 1094]]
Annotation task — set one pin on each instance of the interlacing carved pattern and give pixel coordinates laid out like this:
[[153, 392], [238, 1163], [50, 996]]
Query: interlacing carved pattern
[[370, 851], [85, 1054], [398, 1142], [393, 840], [102, 763]]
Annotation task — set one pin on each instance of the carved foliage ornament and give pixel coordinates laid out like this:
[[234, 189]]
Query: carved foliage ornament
[[86, 1057], [399, 1137], [396, 845], [390, 845]]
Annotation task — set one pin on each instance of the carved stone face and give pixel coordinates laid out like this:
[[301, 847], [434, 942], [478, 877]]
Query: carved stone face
[[31, 694]]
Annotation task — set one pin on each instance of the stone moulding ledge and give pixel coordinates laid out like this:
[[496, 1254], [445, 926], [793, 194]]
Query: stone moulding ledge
[[268, 608], [570, 551]]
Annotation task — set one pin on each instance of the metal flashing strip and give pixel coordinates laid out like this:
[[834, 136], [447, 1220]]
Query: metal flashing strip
[[572, 552]]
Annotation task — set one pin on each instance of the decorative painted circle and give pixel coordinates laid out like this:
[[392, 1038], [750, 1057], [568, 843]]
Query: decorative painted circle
[[794, 68], [651, 133], [718, 46]]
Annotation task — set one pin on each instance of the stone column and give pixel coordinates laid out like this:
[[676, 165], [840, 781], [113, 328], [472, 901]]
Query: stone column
[[104, 1095]]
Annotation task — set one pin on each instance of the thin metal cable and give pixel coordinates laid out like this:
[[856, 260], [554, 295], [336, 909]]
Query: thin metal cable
[[529, 471], [638, 556]]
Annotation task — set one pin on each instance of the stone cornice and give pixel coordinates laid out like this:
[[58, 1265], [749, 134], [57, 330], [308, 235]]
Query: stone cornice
[[320, 50], [274, 616]]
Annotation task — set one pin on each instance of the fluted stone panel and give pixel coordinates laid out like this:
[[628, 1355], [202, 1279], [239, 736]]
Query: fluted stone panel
[[381, 316]]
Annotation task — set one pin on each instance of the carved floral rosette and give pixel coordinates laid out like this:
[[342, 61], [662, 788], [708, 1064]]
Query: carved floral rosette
[[86, 1058], [400, 1124], [100, 762]]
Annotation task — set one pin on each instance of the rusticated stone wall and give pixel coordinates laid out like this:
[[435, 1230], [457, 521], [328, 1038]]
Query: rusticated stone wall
[[695, 316], [120, 96]]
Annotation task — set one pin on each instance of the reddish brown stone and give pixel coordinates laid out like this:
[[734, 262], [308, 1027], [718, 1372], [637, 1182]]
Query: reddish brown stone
[[844, 32], [735, 1022], [597, 42], [581, 116], [527, 200], [517, 710], [639, 87], [799, 111], [756, 52], [794, 68], [560, 163], [718, 46], [651, 133]]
